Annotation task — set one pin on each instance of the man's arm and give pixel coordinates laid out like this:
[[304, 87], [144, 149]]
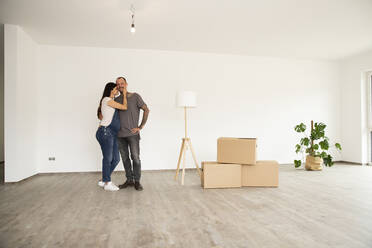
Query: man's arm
[[146, 112], [142, 105]]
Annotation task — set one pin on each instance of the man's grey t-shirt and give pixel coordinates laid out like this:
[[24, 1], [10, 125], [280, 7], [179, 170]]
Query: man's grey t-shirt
[[129, 118]]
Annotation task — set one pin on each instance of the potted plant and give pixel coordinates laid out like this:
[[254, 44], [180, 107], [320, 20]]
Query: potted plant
[[316, 147]]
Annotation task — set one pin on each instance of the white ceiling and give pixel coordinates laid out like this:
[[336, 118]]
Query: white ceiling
[[315, 29]]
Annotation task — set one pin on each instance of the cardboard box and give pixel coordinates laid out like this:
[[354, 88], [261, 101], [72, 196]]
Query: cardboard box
[[265, 173], [236, 150], [216, 175]]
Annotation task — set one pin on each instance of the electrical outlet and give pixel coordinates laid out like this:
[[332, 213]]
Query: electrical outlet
[[52, 159]]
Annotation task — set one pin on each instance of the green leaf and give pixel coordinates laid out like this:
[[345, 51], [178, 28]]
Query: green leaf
[[315, 134], [318, 131], [324, 144], [300, 128], [298, 148], [316, 147], [328, 160], [305, 141], [323, 155], [338, 146], [297, 163], [320, 126]]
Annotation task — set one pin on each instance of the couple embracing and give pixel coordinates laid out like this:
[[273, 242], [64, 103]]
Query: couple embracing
[[119, 112]]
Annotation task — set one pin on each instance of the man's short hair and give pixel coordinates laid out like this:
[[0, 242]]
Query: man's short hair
[[121, 78]]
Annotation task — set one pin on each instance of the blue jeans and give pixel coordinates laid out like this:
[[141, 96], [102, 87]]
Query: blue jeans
[[107, 139]]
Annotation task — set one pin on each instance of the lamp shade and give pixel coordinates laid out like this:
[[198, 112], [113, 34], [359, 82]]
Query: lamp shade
[[186, 99]]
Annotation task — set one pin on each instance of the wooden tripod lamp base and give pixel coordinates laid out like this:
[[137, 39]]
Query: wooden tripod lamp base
[[186, 143], [186, 99]]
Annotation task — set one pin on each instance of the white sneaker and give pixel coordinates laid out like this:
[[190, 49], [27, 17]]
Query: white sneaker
[[111, 187], [101, 184]]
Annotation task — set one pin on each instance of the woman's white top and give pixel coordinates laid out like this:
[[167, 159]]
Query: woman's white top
[[107, 112]]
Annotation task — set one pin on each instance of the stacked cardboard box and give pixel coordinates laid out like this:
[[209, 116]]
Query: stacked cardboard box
[[217, 175], [236, 166]]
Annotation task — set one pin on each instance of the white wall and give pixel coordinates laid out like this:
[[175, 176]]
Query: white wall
[[20, 104], [238, 96], [354, 102], [1, 92]]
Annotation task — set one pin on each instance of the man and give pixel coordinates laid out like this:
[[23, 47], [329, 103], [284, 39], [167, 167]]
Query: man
[[129, 134]]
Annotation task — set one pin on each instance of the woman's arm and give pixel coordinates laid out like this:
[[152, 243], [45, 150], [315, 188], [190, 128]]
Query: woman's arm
[[122, 106]]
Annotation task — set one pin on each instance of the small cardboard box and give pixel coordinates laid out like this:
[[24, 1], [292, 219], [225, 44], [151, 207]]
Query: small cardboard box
[[265, 173], [216, 175], [236, 150]]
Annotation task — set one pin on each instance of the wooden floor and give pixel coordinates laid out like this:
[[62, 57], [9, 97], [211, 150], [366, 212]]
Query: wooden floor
[[332, 208]]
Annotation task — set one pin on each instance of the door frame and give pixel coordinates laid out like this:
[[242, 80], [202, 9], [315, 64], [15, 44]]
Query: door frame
[[368, 76]]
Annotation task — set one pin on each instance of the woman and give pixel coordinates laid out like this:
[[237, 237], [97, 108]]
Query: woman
[[107, 133]]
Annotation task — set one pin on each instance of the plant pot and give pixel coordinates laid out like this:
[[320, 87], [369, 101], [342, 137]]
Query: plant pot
[[313, 163]]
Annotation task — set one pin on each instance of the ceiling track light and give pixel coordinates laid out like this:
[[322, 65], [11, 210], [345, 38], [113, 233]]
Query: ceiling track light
[[132, 26]]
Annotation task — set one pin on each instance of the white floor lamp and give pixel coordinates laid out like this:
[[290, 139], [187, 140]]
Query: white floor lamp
[[186, 99]]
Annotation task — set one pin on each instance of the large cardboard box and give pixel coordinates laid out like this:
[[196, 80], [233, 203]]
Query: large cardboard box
[[236, 150], [216, 175], [265, 173]]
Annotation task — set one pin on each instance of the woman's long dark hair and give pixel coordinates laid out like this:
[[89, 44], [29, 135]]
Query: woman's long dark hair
[[106, 93]]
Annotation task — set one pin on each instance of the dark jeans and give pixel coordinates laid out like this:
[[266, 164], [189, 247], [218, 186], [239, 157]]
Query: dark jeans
[[109, 146], [131, 143]]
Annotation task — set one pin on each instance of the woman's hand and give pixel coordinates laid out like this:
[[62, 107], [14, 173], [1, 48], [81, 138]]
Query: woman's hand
[[115, 91]]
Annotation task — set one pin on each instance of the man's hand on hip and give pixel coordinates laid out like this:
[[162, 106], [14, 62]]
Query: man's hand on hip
[[135, 130]]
